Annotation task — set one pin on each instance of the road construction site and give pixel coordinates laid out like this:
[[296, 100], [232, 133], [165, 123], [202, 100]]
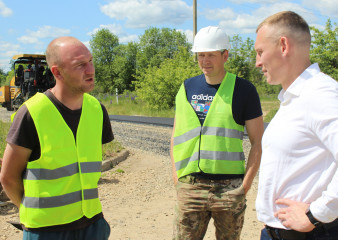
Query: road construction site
[[138, 195]]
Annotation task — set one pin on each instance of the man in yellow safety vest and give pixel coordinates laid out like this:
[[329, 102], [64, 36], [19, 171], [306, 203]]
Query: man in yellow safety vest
[[206, 148], [52, 161]]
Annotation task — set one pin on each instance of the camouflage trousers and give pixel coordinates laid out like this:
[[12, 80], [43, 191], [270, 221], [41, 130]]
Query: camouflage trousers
[[200, 200]]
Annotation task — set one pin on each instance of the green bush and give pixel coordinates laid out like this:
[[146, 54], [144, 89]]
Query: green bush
[[158, 86], [110, 149]]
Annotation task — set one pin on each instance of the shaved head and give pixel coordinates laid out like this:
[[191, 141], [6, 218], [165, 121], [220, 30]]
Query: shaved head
[[53, 52]]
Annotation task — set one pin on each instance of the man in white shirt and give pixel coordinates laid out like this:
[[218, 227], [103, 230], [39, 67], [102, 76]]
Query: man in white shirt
[[298, 180]]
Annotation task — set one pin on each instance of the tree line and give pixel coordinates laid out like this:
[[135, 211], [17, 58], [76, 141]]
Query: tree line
[[155, 66]]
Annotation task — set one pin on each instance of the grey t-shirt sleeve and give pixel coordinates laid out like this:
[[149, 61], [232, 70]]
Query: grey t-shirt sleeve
[[22, 131]]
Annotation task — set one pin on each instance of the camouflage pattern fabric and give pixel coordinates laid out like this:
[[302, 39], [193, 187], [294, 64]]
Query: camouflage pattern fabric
[[200, 200]]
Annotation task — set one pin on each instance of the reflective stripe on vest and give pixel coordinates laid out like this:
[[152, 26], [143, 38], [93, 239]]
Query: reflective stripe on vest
[[59, 201], [223, 132], [69, 170], [214, 148], [61, 186]]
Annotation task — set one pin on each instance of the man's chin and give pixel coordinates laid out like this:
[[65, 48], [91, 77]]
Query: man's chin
[[89, 88]]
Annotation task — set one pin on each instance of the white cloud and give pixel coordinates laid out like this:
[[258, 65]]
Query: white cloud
[[7, 51], [145, 13], [114, 28], [268, 10], [43, 32], [253, 1], [29, 39], [214, 14], [50, 32], [4, 10], [118, 31], [4, 64], [325, 7], [129, 38], [247, 23], [8, 46], [188, 33], [243, 23], [318, 26], [5, 58]]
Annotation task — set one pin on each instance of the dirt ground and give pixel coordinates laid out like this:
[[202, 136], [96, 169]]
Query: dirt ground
[[138, 200]]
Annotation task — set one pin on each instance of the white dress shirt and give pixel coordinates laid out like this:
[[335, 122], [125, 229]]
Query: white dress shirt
[[300, 150]]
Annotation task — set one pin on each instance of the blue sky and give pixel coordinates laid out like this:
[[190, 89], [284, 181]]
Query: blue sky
[[28, 26]]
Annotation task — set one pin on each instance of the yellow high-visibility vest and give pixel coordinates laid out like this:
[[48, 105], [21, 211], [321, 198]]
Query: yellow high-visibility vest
[[214, 148], [61, 186]]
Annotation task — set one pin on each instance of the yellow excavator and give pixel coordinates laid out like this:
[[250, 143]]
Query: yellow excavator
[[31, 75]]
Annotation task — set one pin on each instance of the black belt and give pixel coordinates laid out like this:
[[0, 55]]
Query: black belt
[[194, 179], [277, 233]]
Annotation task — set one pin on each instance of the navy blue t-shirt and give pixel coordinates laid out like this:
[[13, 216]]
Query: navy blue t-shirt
[[246, 104]]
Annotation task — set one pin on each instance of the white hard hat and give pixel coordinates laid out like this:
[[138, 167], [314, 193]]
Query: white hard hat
[[211, 39]]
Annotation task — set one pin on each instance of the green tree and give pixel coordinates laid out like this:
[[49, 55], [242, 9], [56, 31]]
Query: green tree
[[125, 66], [158, 86], [9, 77], [157, 45], [242, 61], [324, 49], [103, 45], [2, 77]]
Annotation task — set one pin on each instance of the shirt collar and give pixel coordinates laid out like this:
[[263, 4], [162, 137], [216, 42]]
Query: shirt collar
[[296, 87]]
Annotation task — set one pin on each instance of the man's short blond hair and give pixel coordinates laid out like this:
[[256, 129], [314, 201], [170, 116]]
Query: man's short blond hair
[[289, 24]]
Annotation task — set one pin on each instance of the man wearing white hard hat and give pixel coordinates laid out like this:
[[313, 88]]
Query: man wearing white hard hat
[[209, 167]]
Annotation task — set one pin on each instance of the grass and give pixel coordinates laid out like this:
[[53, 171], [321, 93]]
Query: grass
[[4, 128], [270, 115], [119, 170], [111, 149], [270, 105], [127, 105]]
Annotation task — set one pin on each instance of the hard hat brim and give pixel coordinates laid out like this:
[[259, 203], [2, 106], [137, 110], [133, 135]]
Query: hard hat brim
[[196, 50]]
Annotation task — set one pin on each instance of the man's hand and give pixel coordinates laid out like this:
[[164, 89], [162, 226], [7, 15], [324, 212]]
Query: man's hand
[[294, 215], [14, 163]]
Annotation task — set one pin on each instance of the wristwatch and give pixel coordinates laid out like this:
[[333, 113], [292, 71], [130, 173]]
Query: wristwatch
[[313, 220]]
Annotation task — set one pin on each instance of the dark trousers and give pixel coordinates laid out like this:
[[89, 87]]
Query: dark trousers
[[323, 234], [98, 230]]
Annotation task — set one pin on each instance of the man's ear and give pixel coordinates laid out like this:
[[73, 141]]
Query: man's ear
[[56, 72], [225, 55], [284, 45]]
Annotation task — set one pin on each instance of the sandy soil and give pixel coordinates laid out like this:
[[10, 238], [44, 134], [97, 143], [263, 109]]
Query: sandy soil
[[138, 200]]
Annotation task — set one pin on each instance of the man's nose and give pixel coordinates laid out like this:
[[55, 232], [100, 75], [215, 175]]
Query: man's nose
[[258, 61], [90, 68]]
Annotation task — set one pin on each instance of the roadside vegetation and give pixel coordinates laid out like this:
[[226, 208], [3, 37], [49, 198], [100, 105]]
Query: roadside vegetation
[[4, 127]]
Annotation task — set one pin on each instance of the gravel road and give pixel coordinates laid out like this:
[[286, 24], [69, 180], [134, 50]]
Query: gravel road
[[145, 137]]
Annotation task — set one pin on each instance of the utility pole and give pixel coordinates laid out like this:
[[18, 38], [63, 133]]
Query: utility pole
[[195, 17], [195, 23]]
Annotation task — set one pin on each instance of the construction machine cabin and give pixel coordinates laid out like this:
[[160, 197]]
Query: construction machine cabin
[[31, 75]]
